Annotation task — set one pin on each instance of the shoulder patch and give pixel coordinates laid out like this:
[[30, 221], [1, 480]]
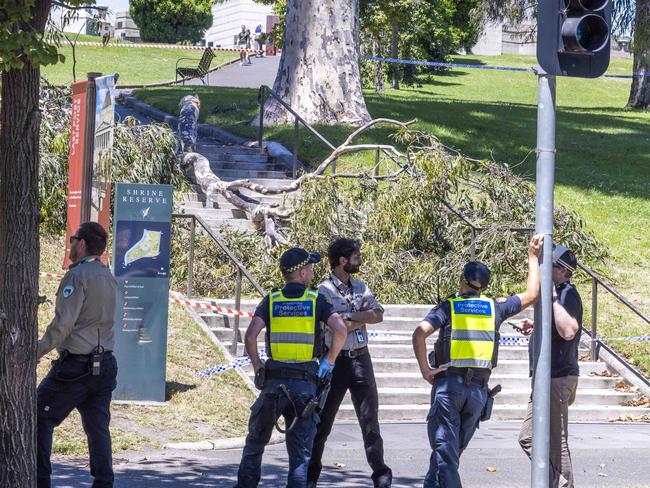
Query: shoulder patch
[[501, 300], [68, 291]]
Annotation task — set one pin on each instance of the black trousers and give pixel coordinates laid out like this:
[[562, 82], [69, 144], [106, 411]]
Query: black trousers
[[91, 395], [356, 375]]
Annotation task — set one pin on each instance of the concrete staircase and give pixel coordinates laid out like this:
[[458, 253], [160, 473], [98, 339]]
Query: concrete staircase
[[233, 162], [404, 395]]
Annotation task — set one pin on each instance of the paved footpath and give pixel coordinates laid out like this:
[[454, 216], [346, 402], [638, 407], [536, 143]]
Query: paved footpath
[[604, 455], [262, 71]]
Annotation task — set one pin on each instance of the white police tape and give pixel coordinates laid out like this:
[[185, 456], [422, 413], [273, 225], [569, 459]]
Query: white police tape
[[439, 64]]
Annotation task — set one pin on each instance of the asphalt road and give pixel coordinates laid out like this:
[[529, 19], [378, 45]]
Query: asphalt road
[[604, 455]]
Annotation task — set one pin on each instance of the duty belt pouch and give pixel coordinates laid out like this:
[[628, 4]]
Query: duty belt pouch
[[487, 409], [432, 359], [260, 378]]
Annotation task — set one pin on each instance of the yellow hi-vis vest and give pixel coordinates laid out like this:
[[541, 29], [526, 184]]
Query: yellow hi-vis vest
[[292, 330], [473, 332]]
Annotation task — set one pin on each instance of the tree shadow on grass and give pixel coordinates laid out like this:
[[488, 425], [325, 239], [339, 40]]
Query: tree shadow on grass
[[596, 148]]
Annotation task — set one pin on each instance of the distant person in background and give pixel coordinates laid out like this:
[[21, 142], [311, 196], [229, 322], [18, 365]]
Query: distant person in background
[[258, 40], [105, 38], [243, 41]]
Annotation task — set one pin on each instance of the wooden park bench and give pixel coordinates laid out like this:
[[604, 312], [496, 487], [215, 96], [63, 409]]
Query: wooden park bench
[[200, 71]]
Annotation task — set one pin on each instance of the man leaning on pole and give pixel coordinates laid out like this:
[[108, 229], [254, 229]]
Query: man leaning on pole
[[565, 339]]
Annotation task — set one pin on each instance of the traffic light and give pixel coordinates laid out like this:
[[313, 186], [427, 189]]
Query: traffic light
[[573, 37]]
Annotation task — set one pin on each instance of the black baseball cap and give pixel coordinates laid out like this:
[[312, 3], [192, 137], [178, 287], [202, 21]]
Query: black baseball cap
[[476, 275], [563, 256], [295, 258]]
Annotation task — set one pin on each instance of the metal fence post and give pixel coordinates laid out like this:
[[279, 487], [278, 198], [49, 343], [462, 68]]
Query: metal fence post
[[594, 319], [236, 336], [377, 160], [472, 248], [190, 272], [296, 144]]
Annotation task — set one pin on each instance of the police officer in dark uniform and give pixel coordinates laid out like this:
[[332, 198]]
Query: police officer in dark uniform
[[84, 375], [292, 317], [354, 372], [465, 353], [565, 339]]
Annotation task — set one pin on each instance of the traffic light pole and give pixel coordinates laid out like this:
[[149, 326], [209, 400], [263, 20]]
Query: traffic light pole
[[542, 332]]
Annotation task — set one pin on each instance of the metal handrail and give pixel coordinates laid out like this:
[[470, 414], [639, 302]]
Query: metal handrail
[[261, 99], [242, 272], [595, 281]]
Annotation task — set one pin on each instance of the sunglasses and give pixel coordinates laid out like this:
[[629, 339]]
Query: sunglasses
[[75, 238]]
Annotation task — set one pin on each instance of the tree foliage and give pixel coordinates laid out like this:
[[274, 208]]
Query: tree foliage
[[141, 154], [414, 247], [172, 21], [429, 30]]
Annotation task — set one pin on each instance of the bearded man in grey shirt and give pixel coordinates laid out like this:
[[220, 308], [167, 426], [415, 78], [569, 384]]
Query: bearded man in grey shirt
[[353, 371]]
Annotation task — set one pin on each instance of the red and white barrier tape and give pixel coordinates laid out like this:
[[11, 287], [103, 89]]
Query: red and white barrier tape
[[165, 46], [50, 275], [209, 306]]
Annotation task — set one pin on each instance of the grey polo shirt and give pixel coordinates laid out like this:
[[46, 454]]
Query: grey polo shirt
[[354, 298], [85, 306]]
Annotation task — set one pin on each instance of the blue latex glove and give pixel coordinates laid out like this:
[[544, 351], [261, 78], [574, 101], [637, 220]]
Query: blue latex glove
[[325, 369]]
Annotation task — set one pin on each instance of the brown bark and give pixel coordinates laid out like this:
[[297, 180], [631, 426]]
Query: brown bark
[[640, 90], [319, 69], [19, 257]]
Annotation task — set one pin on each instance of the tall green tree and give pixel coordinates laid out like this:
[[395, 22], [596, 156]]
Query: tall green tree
[[634, 16], [630, 16], [172, 21], [22, 52]]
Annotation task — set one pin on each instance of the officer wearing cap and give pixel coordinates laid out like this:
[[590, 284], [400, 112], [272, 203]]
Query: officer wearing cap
[[296, 363], [465, 353], [354, 372], [565, 339], [84, 375]]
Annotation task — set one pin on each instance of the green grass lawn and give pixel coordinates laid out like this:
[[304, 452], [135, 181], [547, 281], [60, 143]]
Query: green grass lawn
[[603, 152], [134, 65]]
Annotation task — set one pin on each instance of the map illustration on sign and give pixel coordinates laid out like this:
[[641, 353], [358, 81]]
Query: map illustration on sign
[[139, 249], [147, 247]]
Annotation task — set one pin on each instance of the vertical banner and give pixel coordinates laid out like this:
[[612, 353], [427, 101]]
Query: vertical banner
[[100, 198], [75, 163], [141, 247]]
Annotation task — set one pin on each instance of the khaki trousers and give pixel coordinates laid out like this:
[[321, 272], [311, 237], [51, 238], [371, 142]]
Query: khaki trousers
[[563, 394]]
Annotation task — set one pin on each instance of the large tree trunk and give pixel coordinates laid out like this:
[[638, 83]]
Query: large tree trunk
[[394, 48], [20, 120], [640, 91], [319, 69]]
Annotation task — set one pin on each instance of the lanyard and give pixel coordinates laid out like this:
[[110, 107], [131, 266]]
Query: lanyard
[[348, 295]]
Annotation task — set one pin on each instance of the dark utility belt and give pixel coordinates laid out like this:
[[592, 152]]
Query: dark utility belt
[[290, 374], [353, 353], [467, 375]]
